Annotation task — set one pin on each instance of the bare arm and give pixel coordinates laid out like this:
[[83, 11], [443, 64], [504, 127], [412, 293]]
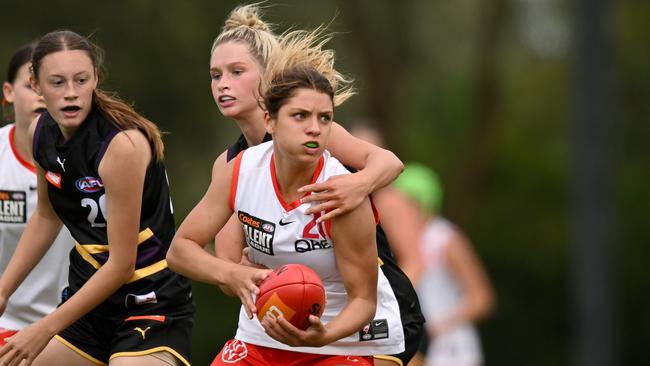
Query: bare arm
[[187, 256], [377, 168], [478, 297], [128, 151], [353, 233], [229, 241], [402, 221]]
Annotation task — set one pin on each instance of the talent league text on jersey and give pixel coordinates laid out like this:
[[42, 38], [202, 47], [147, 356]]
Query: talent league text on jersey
[[40, 292], [279, 232], [13, 207]]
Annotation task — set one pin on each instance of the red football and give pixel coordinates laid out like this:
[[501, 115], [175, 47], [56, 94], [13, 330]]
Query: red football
[[294, 291]]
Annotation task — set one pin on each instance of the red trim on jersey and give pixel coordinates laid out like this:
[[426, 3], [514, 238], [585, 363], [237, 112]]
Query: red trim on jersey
[[235, 179], [290, 206], [375, 212], [6, 333], [20, 159], [157, 318]]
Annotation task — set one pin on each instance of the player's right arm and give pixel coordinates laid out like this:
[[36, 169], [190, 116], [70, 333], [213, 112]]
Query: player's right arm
[[187, 256], [41, 230]]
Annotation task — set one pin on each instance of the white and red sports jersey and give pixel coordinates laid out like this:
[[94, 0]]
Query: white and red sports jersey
[[40, 293], [439, 294], [279, 232]]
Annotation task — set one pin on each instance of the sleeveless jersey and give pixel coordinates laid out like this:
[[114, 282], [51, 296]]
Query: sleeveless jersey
[[77, 195], [403, 289], [439, 294], [279, 233], [40, 293]]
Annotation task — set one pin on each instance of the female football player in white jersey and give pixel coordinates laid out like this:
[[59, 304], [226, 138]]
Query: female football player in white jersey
[[238, 59], [40, 293], [361, 318]]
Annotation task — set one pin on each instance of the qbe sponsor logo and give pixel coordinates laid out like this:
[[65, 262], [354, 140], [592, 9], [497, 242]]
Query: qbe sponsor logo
[[259, 233], [13, 207]]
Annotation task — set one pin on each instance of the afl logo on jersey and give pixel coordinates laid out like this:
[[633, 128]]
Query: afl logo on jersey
[[89, 184], [269, 228]]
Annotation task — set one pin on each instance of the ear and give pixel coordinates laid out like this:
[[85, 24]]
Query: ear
[[268, 123], [96, 79], [35, 86], [8, 92]]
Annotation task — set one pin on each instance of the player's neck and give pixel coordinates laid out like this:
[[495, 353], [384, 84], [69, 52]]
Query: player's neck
[[252, 127], [290, 177], [22, 142]]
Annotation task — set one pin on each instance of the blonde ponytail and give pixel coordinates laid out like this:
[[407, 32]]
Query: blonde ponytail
[[245, 25]]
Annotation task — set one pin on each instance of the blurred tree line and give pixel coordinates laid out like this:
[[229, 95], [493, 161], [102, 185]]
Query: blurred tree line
[[481, 91]]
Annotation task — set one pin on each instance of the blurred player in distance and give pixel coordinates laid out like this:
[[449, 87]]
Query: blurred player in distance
[[454, 289]]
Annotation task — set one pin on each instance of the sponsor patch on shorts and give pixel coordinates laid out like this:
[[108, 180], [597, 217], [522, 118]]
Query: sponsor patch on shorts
[[133, 299], [377, 329]]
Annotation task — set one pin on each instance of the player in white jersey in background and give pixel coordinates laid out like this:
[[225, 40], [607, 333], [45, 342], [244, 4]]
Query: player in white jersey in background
[[454, 290], [261, 185], [41, 292]]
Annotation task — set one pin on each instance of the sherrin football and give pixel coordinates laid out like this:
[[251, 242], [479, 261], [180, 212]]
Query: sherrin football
[[294, 291]]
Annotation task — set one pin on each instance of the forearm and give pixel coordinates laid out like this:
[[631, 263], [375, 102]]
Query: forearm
[[99, 287], [378, 167], [191, 260], [381, 168], [355, 315], [32, 246]]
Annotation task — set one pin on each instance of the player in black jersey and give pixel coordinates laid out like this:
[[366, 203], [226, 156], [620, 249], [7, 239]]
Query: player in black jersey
[[100, 173], [239, 58]]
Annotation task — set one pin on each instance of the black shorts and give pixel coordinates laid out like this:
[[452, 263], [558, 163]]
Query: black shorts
[[424, 345], [98, 338], [150, 315], [409, 305]]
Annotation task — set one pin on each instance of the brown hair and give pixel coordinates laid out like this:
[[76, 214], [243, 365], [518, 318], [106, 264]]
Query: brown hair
[[285, 86], [302, 61], [22, 56], [110, 105]]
